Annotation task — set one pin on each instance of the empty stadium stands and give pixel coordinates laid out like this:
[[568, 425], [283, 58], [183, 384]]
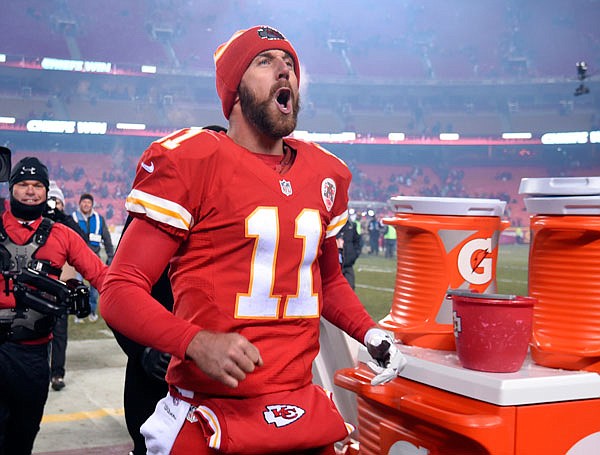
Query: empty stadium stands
[[420, 68]]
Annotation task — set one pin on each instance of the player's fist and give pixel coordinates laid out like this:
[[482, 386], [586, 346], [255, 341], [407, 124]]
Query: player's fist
[[225, 357]]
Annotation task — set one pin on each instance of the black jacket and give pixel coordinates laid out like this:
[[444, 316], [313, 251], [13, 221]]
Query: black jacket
[[352, 243]]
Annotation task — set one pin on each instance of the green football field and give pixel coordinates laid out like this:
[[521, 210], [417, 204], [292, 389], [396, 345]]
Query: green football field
[[375, 276]]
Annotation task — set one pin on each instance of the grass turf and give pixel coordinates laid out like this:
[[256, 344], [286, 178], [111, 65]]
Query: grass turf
[[375, 276]]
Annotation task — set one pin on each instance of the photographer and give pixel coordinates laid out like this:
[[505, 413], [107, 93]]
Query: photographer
[[33, 250]]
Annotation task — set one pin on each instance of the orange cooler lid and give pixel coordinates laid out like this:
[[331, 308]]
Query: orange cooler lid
[[448, 206]]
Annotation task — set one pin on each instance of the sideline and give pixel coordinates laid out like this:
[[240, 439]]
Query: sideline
[[98, 414], [87, 416]]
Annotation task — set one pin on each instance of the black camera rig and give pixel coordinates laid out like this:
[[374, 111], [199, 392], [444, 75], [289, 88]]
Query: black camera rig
[[40, 299], [46, 295]]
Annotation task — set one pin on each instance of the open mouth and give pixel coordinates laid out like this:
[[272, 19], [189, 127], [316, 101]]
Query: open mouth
[[283, 96]]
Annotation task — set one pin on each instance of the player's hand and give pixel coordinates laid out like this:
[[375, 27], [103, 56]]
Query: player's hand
[[225, 357], [389, 361]]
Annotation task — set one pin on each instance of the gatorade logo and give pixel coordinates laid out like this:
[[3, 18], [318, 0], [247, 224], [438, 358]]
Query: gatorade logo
[[407, 448], [475, 261]]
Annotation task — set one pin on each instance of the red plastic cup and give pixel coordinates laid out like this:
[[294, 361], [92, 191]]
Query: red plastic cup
[[492, 331]]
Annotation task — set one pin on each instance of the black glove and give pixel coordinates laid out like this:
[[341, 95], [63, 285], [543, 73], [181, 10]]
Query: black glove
[[388, 360], [50, 211], [155, 363]]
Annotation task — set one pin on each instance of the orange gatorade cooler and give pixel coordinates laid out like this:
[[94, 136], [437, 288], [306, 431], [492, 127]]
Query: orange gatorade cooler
[[442, 244], [564, 270], [437, 407]]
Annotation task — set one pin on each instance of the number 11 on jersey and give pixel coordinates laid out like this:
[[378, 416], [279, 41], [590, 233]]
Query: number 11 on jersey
[[260, 302]]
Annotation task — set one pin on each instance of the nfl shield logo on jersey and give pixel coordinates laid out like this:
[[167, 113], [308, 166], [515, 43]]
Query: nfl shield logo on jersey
[[286, 187], [328, 193], [281, 415]]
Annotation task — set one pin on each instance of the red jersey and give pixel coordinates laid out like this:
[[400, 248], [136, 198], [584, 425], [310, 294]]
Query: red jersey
[[249, 253]]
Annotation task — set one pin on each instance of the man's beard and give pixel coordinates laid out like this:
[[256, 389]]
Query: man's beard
[[265, 117]]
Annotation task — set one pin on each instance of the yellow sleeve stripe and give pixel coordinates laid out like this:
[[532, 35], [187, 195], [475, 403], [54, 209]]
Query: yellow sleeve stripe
[[336, 224], [158, 209], [211, 418]]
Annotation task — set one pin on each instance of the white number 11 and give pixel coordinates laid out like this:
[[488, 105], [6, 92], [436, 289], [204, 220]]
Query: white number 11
[[259, 301]]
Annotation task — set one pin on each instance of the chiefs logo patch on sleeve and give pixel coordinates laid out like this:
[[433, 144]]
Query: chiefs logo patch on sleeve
[[281, 415], [328, 190]]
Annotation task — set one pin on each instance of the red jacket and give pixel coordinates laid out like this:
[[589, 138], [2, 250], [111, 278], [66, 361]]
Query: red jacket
[[63, 245]]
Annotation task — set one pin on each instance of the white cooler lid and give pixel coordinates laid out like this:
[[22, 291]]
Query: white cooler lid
[[447, 206], [560, 186], [532, 384], [563, 205]]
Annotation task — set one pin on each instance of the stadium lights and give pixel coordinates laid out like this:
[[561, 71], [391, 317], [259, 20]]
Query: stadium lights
[[581, 70], [150, 69], [595, 137], [449, 136], [396, 136], [131, 126], [10, 120], [573, 137], [92, 127], [325, 137], [59, 64], [582, 89], [51, 126], [2, 58], [517, 135]]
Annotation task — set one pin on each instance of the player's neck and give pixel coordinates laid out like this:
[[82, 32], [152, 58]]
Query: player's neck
[[246, 135]]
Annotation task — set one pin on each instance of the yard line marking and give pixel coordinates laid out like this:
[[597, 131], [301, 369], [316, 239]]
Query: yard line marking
[[374, 269], [82, 415], [510, 280], [374, 288]]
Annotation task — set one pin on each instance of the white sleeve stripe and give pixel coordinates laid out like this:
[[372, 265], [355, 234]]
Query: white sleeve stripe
[[336, 224], [159, 209]]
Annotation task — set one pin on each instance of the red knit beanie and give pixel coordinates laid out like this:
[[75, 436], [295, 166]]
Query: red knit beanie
[[233, 58]]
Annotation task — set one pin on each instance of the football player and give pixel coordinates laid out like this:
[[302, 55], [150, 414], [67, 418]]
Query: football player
[[247, 222]]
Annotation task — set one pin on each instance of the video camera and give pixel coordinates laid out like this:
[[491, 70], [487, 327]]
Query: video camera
[[39, 301], [46, 295], [5, 164]]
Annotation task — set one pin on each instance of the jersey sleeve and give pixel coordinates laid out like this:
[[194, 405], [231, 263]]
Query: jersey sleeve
[[172, 176], [335, 190], [126, 297], [341, 305]]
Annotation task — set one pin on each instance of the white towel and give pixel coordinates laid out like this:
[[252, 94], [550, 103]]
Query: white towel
[[163, 426]]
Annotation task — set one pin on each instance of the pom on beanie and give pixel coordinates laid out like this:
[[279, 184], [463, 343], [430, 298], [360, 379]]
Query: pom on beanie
[[233, 58], [29, 168], [55, 192]]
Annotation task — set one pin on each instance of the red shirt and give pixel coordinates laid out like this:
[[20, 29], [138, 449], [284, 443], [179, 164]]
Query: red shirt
[[253, 252]]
